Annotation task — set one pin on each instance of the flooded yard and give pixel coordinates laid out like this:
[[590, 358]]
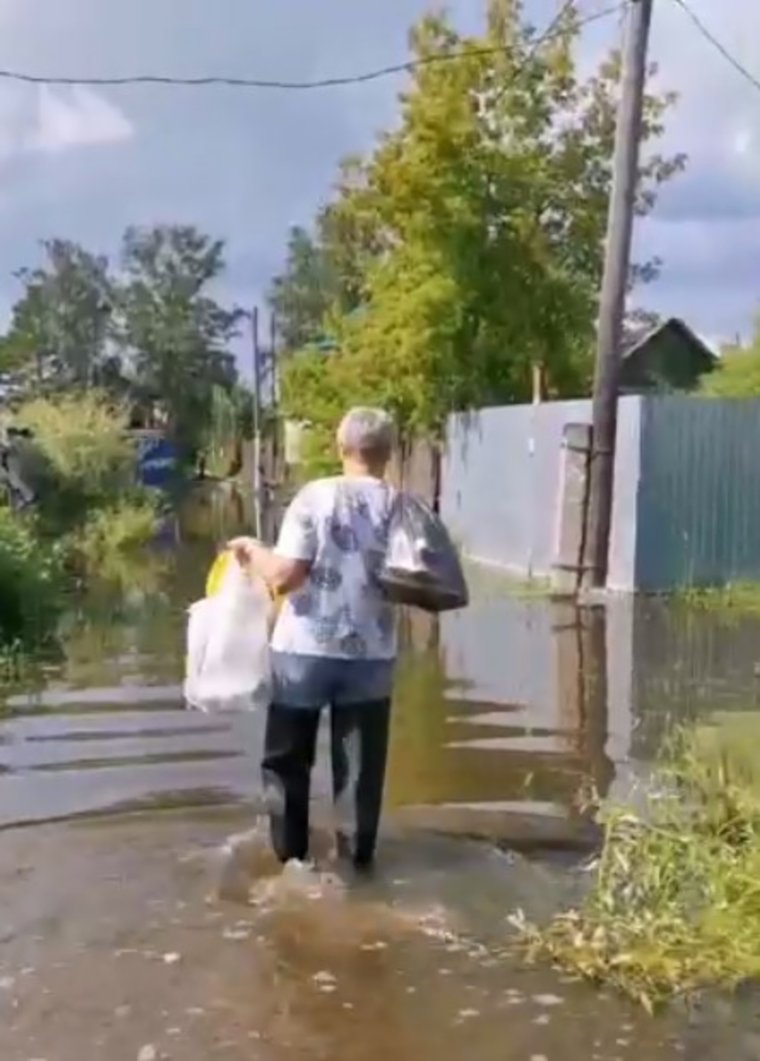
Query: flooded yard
[[135, 927]]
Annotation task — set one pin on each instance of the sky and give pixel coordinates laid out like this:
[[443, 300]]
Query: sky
[[245, 165]]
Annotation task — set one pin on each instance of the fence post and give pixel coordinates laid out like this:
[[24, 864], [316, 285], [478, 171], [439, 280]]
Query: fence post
[[569, 545]]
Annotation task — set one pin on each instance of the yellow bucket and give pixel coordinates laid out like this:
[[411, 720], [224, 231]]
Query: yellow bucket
[[217, 572]]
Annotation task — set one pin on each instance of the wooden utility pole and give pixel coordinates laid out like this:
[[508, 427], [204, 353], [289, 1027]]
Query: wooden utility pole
[[276, 440], [257, 484], [275, 386], [613, 294]]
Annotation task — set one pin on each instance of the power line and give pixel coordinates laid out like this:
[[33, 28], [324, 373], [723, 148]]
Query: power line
[[290, 86], [719, 45], [555, 24], [555, 29]]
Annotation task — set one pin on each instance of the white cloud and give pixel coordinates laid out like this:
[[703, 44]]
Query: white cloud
[[285, 148], [48, 121], [78, 118], [707, 223]]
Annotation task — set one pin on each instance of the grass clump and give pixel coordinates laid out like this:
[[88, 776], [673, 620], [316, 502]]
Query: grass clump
[[491, 581], [737, 598], [675, 899]]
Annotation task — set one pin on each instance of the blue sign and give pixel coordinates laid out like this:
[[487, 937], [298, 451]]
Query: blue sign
[[157, 460]]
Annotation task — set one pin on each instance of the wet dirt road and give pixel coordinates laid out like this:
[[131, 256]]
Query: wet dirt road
[[130, 928], [121, 948]]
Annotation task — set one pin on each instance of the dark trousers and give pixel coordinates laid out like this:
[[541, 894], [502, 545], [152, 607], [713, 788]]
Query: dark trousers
[[359, 748]]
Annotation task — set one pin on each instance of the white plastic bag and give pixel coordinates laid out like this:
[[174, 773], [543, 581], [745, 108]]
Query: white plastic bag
[[228, 666]]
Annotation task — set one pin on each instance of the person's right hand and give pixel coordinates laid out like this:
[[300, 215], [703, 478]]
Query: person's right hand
[[242, 549]]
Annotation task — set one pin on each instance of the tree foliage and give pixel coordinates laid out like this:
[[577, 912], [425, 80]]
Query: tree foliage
[[79, 457], [737, 375], [324, 271], [60, 326], [30, 579], [175, 336], [481, 220], [301, 296], [150, 332]]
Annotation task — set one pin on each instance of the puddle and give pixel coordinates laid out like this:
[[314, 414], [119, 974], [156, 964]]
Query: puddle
[[143, 915]]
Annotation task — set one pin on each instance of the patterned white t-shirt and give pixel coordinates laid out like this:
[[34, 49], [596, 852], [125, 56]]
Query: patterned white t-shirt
[[340, 525]]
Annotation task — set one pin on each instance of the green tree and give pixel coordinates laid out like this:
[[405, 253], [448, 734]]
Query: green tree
[[638, 324], [302, 294], [483, 215], [17, 352], [324, 270], [175, 335], [61, 324], [737, 375]]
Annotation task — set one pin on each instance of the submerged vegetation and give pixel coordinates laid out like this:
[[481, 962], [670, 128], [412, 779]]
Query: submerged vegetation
[[105, 547], [674, 904], [88, 514]]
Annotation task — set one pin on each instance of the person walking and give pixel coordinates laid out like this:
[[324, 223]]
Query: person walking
[[334, 642]]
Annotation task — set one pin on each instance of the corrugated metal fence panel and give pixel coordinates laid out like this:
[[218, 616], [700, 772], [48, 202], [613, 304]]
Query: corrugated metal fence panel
[[699, 499], [486, 485], [623, 535], [500, 482]]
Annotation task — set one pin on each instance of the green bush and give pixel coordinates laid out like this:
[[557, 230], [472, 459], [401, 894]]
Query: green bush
[[121, 527], [90, 517], [30, 583], [79, 456], [107, 550]]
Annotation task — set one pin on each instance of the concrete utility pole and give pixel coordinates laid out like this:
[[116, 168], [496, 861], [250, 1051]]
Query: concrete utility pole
[[613, 294]]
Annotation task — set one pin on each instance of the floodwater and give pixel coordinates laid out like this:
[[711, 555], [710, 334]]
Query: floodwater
[[143, 918]]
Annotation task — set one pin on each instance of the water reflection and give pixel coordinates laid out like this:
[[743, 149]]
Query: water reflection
[[506, 716], [502, 726]]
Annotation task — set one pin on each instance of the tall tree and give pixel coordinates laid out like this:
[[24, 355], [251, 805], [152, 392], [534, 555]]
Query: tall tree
[[324, 269], [737, 374], [62, 321], [175, 335], [485, 212], [301, 295]]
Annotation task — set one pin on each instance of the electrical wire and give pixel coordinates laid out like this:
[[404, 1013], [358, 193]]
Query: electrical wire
[[555, 29], [719, 45], [554, 26], [291, 86]]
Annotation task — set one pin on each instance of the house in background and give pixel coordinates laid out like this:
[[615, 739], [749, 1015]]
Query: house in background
[[668, 359]]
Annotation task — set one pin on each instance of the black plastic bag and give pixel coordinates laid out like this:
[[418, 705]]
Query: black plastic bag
[[421, 565]]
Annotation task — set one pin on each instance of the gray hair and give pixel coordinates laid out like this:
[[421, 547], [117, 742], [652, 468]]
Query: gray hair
[[367, 433]]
